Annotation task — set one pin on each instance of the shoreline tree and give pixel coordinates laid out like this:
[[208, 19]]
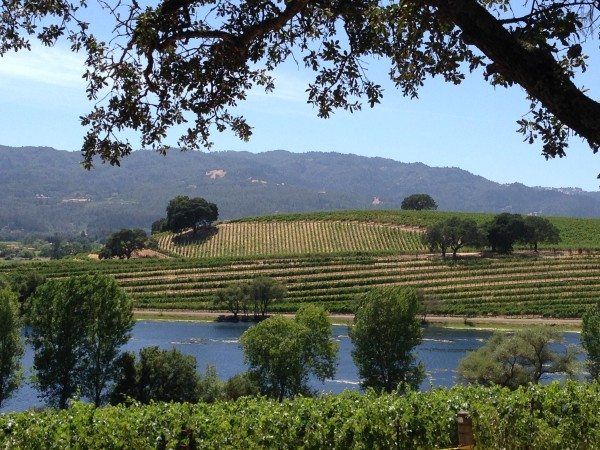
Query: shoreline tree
[[518, 359], [283, 353], [152, 72], [257, 294], [11, 346], [385, 331], [158, 375], [590, 339], [77, 327]]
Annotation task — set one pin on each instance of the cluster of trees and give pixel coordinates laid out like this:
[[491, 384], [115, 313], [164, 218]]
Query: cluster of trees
[[78, 325], [53, 246], [517, 359], [501, 233], [184, 213], [252, 296], [171, 376], [284, 353]]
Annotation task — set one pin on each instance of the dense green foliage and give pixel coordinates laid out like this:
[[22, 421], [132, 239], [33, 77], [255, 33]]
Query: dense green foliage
[[121, 244], [560, 286], [255, 296], [419, 202], [11, 346], [184, 212], [539, 417], [385, 331], [159, 375], [283, 353], [504, 230], [25, 284], [78, 325], [453, 233], [590, 339], [513, 360]]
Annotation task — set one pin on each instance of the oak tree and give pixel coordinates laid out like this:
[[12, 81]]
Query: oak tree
[[539, 229], [123, 243], [504, 230], [174, 62], [419, 202], [453, 233], [184, 212]]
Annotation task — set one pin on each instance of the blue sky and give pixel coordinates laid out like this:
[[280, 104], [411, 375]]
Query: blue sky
[[471, 126]]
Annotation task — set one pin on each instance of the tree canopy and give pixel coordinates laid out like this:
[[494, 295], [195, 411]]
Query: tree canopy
[[255, 295], [504, 230], [184, 212], [78, 325], [159, 375], [176, 62], [123, 243], [419, 202], [517, 359], [539, 229], [453, 233], [283, 353], [385, 331], [11, 346]]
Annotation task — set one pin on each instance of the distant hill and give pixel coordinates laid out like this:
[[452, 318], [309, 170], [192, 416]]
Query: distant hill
[[45, 190]]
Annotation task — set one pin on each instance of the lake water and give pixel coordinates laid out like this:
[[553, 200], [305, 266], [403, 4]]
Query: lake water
[[218, 344]]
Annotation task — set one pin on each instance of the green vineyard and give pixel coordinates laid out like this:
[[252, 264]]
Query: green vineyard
[[376, 232], [562, 286], [553, 416], [293, 238]]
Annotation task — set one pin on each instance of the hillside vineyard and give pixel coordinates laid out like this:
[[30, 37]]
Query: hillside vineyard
[[561, 286]]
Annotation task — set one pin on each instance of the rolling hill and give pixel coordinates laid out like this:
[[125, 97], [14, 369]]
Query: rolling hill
[[46, 190]]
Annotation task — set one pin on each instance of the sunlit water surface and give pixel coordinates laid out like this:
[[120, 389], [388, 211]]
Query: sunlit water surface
[[217, 343]]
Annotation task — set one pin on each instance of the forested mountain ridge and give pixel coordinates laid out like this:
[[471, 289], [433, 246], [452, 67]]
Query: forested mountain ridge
[[46, 190]]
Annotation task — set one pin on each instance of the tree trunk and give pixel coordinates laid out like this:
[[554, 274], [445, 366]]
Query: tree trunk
[[533, 68]]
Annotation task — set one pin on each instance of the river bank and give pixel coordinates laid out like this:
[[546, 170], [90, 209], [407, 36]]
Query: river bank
[[454, 321]]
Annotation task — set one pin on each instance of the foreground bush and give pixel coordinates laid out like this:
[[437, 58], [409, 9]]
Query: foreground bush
[[544, 417]]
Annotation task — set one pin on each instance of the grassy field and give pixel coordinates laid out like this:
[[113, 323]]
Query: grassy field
[[561, 286], [378, 232]]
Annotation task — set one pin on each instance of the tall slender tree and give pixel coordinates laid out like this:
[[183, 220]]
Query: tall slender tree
[[11, 346], [590, 339], [77, 326], [385, 331]]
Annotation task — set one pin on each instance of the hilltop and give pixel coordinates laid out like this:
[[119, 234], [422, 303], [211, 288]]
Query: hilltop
[[46, 190]]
